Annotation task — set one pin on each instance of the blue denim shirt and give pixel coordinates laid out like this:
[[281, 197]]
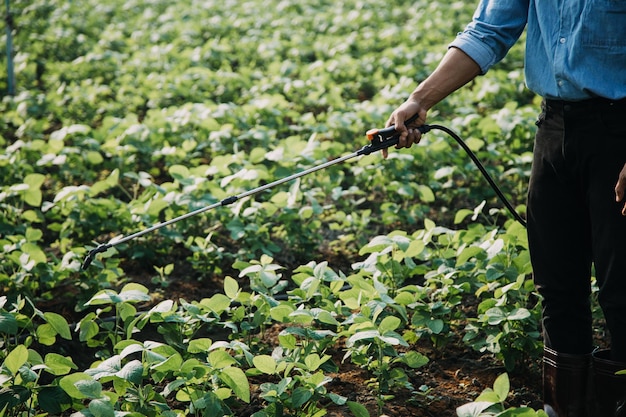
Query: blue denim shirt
[[575, 49]]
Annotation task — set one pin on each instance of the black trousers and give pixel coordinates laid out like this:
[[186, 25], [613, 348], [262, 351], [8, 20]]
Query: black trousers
[[575, 224]]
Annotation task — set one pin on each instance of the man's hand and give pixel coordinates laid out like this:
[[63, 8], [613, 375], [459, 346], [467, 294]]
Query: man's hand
[[620, 189], [454, 71], [409, 135]]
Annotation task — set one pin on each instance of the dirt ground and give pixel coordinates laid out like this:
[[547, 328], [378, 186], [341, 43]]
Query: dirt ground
[[453, 377], [455, 374]]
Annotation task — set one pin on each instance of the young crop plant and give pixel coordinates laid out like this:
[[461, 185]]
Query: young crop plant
[[376, 349], [300, 388], [492, 403], [130, 113], [508, 316], [100, 329], [24, 372]]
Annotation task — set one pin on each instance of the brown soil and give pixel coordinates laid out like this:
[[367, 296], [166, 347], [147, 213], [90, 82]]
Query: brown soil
[[454, 376]]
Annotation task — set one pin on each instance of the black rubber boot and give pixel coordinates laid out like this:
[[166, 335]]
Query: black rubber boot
[[610, 389], [566, 384]]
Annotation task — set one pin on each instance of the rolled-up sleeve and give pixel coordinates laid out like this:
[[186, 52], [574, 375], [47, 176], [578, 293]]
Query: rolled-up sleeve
[[495, 27]]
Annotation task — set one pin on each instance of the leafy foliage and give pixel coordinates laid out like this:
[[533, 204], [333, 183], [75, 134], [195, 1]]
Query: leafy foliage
[[129, 113]]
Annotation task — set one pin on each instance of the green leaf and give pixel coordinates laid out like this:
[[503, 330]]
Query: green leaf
[[59, 324], [16, 358], [33, 235], [489, 396], [461, 215], [28, 375], [518, 314], [88, 330], [436, 326], [179, 172], [358, 409], [114, 178], [416, 247], [426, 193], [501, 386], [89, 388], [104, 297], [269, 278], [376, 244], [237, 381], [59, 365], [172, 363], [522, 412], [199, 345], [300, 396], [129, 347], [34, 252], [13, 396], [474, 144], [265, 364], [389, 324], [218, 303], [393, 338], [231, 287], [134, 295], [281, 312], [93, 157], [133, 371], [46, 335], [101, 408], [414, 359], [287, 341], [126, 311], [8, 323], [53, 400], [336, 398], [106, 368], [69, 384], [495, 316], [327, 318], [468, 253], [313, 361], [473, 409], [220, 359], [33, 195], [365, 334]]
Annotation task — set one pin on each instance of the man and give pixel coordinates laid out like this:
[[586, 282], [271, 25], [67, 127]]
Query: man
[[576, 61]]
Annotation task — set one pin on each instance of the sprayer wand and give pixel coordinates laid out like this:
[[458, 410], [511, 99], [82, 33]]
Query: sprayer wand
[[379, 139], [377, 143]]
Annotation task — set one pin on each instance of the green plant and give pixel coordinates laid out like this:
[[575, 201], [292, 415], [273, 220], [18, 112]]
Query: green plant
[[508, 322], [300, 388], [96, 330], [24, 387], [491, 403], [130, 113], [375, 348]]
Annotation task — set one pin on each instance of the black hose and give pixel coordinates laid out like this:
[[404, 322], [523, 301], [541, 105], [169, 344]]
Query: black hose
[[482, 169], [389, 136]]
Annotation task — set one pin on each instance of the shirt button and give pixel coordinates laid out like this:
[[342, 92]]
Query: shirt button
[[562, 40]]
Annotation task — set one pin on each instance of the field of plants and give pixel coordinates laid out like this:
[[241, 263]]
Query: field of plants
[[396, 286]]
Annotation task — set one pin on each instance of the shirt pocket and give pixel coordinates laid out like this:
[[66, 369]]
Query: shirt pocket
[[604, 24]]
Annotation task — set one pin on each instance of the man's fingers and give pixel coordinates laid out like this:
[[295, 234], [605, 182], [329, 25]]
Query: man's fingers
[[620, 188]]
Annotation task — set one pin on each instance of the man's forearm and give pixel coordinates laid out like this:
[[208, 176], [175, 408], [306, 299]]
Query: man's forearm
[[454, 71]]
